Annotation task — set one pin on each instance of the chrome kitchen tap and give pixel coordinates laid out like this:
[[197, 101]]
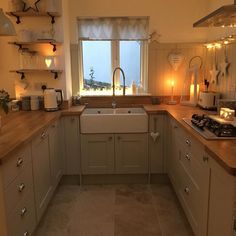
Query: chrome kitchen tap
[[113, 85]]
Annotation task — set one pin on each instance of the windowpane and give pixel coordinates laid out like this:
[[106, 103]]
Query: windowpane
[[130, 61], [97, 64]]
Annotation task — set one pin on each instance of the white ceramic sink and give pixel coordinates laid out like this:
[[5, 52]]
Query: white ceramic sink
[[119, 120]]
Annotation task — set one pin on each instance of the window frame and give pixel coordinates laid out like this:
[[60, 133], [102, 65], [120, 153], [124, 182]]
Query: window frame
[[115, 61]]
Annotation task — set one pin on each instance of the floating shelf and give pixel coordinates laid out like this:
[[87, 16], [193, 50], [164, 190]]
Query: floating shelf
[[40, 41], [19, 14], [23, 71]]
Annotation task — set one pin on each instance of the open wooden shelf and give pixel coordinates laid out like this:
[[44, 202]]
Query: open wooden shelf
[[19, 14], [52, 42], [23, 71]]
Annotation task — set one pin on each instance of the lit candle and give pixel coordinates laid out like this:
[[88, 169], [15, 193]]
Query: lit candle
[[172, 89], [192, 93]]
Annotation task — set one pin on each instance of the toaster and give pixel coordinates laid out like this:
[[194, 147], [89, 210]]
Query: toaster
[[208, 100]]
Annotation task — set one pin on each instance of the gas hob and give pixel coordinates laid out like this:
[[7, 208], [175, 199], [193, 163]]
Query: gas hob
[[212, 127]]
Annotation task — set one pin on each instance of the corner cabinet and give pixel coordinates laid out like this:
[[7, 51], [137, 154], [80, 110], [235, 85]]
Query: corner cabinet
[[43, 184], [55, 144], [114, 153], [71, 142], [156, 143]]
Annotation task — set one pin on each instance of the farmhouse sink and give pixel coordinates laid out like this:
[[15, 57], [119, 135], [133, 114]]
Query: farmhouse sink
[[119, 120]]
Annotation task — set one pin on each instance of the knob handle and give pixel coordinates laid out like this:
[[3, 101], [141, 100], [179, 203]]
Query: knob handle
[[19, 162], [26, 233], [23, 211], [110, 138], [188, 142], [205, 158], [43, 135], [118, 138], [21, 187], [187, 156], [187, 190]]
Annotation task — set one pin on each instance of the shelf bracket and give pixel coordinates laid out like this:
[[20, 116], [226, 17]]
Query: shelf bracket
[[52, 18], [18, 45], [22, 74], [54, 46], [55, 74], [17, 18]]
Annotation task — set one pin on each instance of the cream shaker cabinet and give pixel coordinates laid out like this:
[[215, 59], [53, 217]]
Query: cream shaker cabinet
[[131, 154], [97, 153], [72, 145], [156, 143], [222, 208], [114, 153], [43, 183], [173, 154], [189, 173], [17, 207], [55, 144]]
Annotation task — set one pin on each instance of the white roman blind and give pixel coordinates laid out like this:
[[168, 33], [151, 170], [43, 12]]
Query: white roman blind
[[113, 28]]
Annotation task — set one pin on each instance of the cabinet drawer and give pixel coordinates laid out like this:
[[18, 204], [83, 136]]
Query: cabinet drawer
[[19, 188], [195, 164], [15, 164], [190, 199], [194, 199], [22, 220]]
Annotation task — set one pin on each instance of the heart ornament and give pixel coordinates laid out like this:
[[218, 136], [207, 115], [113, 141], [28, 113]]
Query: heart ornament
[[175, 59]]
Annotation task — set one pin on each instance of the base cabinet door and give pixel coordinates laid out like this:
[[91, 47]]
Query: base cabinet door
[[55, 152], [221, 202], [97, 151], [156, 142], [72, 145], [173, 155], [41, 172], [131, 153]]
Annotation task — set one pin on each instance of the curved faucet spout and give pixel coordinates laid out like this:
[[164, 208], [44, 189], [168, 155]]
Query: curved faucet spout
[[113, 80]]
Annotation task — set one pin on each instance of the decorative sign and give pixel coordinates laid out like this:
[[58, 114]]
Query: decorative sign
[[30, 4], [175, 59]]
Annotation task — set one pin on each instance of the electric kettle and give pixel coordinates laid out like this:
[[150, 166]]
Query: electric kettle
[[51, 100]]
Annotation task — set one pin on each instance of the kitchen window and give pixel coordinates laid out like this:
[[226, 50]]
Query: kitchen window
[[107, 43]]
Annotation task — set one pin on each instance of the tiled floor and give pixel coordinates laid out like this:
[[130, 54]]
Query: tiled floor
[[114, 210]]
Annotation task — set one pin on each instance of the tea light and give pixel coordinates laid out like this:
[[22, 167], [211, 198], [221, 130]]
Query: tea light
[[227, 114]]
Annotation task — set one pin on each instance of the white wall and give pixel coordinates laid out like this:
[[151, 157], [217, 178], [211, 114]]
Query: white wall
[[173, 19], [10, 57]]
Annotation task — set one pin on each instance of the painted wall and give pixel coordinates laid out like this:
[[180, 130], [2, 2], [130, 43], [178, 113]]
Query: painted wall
[[172, 19], [10, 57]]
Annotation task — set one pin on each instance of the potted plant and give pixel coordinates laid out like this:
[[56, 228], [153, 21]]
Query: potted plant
[[4, 100]]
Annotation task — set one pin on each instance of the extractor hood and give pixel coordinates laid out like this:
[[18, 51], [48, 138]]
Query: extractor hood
[[224, 16]]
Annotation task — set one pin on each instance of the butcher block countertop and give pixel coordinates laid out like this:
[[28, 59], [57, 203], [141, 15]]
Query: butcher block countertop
[[223, 151], [20, 127]]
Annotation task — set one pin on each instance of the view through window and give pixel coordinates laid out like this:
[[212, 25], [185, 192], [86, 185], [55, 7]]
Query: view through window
[[99, 61]]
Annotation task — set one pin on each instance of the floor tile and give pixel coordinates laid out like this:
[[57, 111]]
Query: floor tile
[[114, 210]]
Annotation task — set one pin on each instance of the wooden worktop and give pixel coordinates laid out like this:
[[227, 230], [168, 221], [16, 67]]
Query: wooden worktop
[[223, 151], [20, 127]]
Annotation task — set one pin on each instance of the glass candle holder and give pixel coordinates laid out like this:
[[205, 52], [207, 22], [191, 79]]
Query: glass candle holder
[[227, 114]]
